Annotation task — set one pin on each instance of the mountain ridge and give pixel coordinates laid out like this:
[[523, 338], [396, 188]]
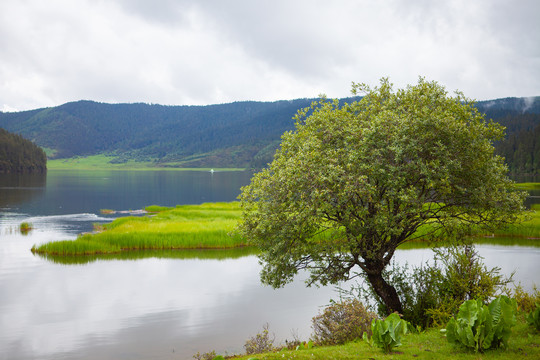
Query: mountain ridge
[[237, 134]]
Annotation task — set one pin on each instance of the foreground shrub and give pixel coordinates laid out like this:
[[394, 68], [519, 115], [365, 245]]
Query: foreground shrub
[[205, 356], [387, 333], [342, 322], [480, 327], [260, 343]]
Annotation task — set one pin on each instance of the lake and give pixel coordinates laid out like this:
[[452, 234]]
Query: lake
[[159, 305]]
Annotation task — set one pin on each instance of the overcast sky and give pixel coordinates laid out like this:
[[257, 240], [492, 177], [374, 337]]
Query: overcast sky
[[181, 52]]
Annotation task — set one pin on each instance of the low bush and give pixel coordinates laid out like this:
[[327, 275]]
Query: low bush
[[526, 301], [205, 356], [260, 343], [342, 322]]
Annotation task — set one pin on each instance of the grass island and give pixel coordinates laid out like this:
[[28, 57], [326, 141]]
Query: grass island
[[206, 226]]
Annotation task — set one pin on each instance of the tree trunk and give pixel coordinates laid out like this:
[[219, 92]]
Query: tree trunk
[[386, 292]]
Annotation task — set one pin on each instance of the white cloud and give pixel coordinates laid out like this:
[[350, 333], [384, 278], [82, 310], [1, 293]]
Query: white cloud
[[185, 52]]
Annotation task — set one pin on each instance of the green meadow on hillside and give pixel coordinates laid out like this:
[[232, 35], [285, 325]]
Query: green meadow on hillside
[[105, 162]]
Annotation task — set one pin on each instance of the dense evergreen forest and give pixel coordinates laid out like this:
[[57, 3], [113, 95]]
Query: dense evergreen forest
[[240, 134], [521, 148], [19, 155]]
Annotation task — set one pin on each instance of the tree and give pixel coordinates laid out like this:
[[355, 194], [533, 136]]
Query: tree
[[353, 181]]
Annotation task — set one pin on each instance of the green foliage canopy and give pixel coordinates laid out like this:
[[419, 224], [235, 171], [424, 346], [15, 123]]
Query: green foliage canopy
[[353, 181]]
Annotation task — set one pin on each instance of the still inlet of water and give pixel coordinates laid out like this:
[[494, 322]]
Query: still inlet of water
[[162, 306]]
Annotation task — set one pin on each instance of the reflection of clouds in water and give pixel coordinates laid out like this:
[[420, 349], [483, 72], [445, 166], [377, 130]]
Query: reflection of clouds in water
[[195, 302], [55, 315]]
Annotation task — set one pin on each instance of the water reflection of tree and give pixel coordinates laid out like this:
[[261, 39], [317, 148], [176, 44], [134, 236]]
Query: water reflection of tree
[[16, 189]]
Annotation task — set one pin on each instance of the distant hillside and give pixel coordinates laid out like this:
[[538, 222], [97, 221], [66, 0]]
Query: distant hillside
[[239, 134], [216, 135], [19, 155]]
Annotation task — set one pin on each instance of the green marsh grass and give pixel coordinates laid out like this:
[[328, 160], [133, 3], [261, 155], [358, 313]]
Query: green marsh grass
[[529, 228], [206, 226], [528, 186], [157, 208]]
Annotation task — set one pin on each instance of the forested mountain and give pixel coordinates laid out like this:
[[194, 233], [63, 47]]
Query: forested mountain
[[19, 155], [238, 134], [215, 135]]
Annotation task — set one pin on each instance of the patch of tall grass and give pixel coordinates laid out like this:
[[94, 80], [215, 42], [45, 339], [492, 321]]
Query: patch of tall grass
[[206, 226], [529, 228]]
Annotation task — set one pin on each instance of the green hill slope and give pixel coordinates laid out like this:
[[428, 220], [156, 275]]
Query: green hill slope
[[240, 134]]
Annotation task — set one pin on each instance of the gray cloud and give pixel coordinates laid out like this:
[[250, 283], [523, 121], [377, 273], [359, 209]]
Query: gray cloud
[[202, 52]]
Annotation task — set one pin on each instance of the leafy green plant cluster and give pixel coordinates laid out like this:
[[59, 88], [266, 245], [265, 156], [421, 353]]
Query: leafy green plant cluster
[[304, 346], [387, 333], [260, 343], [533, 317], [480, 327], [342, 322]]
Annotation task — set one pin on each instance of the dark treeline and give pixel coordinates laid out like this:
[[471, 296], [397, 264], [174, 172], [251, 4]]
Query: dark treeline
[[521, 118], [19, 155], [521, 147], [240, 134]]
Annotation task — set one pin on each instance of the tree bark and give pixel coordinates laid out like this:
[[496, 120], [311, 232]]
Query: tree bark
[[386, 292]]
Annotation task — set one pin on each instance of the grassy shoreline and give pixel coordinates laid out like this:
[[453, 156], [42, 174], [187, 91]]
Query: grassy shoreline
[[524, 343]]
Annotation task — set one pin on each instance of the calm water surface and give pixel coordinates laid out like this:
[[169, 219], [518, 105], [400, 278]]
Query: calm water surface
[[155, 307]]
